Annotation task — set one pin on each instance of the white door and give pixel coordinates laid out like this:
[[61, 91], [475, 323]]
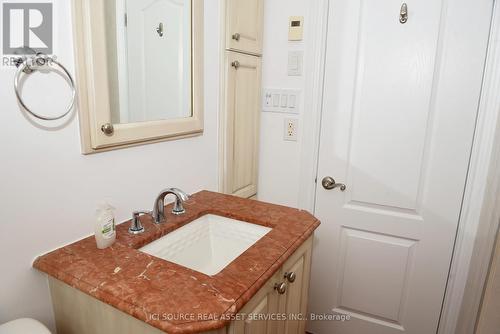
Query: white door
[[400, 104], [158, 53]]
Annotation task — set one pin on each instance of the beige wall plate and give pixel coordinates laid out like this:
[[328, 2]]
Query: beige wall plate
[[296, 28]]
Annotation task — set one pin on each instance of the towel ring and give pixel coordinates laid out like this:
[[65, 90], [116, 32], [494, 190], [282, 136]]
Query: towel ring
[[25, 65]]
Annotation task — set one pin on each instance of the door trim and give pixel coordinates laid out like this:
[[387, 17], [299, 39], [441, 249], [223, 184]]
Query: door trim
[[479, 221], [313, 97]]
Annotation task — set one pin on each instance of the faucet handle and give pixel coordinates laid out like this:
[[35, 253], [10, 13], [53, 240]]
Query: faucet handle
[[136, 226], [180, 198]]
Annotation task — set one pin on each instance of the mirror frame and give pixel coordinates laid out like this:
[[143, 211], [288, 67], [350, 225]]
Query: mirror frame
[[93, 92]]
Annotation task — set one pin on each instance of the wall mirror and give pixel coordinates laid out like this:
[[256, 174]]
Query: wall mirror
[[139, 71]]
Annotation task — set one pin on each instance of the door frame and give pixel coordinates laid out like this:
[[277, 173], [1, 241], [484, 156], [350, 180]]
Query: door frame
[[479, 219]]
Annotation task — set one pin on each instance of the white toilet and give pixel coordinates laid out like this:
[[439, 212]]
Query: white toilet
[[24, 326]]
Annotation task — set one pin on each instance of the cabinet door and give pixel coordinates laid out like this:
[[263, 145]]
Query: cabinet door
[[243, 79], [295, 273], [245, 25], [256, 315]]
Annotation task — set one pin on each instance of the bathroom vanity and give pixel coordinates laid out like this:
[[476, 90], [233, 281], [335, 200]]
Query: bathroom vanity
[[228, 265]]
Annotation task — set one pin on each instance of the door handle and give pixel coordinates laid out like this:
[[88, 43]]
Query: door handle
[[403, 13], [330, 184], [159, 29]]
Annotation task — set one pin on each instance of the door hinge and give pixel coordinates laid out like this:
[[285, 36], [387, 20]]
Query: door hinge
[[125, 20]]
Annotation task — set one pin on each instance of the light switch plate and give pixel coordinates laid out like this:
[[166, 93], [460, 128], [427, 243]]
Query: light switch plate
[[296, 28], [285, 101], [295, 63]]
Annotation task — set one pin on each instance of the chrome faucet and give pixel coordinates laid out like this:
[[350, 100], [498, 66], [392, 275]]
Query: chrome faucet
[[159, 205]]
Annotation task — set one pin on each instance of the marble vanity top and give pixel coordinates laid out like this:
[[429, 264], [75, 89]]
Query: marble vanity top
[[170, 297]]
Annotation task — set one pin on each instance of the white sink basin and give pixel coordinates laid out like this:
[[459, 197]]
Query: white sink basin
[[207, 244]]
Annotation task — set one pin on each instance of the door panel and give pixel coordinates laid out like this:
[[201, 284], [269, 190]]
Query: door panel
[[397, 128], [245, 18], [242, 104], [361, 266], [255, 316], [394, 77], [254, 325]]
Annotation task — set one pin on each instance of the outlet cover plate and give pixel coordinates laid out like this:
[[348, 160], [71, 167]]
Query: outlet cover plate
[[291, 128]]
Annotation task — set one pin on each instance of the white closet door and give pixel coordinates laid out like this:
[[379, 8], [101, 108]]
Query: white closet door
[[400, 104]]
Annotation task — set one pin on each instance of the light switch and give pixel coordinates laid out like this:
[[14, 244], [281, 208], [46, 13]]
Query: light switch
[[284, 101], [292, 101], [295, 59], [276, 100], [296, 28], [269, 100]]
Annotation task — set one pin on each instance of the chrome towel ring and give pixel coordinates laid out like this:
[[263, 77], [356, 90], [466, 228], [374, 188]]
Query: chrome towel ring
[[29, 65]]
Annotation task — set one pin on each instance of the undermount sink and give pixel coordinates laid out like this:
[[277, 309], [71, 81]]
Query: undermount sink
[[208, 244]]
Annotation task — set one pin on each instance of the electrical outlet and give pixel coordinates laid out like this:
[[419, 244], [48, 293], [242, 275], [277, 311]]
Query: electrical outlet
[[291, 129]]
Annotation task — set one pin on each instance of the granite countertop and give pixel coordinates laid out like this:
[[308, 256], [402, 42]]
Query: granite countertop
[[170, 297]]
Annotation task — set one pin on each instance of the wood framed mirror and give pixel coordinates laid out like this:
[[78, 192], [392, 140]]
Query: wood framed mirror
[[139, 68]]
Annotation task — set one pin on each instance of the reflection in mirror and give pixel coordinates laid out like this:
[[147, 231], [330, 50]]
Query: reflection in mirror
[[149, 52]]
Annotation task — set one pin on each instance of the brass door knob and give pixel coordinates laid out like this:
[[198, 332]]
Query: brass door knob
[[108, 129], [280, 287], [329, 184], [291, 277]]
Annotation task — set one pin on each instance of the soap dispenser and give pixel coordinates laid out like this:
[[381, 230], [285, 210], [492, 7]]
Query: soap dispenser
[[105, 229]]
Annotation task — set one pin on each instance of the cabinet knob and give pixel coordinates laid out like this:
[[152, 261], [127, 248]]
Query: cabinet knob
[[291, 277], [236, 64], [236, 37], [280, 287], [108, 129]]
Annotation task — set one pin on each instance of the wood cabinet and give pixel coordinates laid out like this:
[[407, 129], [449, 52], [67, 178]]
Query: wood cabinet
[[243, 77], [244, 25], [255, 315], [294, 303], [241, 97], [270, 311]]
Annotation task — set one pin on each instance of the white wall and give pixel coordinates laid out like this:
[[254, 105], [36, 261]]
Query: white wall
[[280, 160], [49, 191]]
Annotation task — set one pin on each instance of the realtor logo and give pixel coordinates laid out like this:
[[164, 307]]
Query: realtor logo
[[27, 26]]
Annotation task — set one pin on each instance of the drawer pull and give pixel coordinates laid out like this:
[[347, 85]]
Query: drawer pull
[[280, 287], [291, 277]]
